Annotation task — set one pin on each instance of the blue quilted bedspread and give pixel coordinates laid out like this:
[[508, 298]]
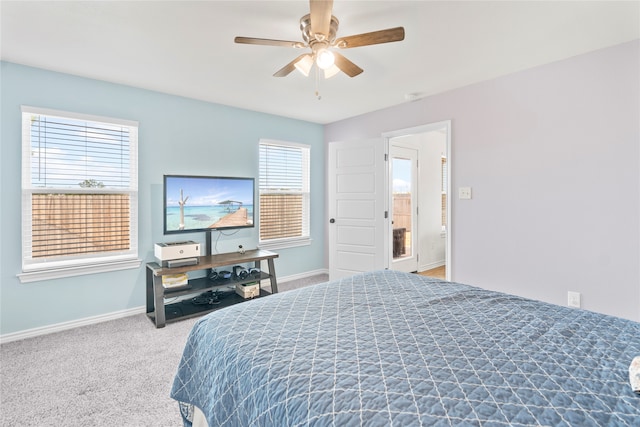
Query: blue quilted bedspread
[[395, 349]]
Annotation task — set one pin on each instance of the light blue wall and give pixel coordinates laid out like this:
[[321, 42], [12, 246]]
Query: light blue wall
[[176, 135]]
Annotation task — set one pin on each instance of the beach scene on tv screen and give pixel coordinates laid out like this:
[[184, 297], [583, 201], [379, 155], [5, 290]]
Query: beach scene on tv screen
[[199, 203]]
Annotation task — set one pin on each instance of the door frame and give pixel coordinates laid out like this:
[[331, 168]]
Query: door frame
[[430, 127]]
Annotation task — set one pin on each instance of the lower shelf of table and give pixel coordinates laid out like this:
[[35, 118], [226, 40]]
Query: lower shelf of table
[[186, 308]]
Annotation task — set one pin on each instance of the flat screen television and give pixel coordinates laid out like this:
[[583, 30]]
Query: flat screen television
[[206, 203]]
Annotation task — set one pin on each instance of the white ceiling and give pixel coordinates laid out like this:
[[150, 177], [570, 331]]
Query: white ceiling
[[186, 47]]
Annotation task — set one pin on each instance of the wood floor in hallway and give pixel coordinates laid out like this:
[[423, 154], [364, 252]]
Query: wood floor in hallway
[[438, 272]]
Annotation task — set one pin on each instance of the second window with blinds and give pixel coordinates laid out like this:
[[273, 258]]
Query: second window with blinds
[[284, 194]]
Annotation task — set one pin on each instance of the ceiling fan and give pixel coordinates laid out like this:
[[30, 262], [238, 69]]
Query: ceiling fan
[[319, 29]]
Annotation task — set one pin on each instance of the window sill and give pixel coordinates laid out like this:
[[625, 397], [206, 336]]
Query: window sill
[[283, 244], [59, 273]]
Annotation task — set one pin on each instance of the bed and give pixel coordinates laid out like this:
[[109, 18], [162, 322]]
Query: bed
[[394, 349]]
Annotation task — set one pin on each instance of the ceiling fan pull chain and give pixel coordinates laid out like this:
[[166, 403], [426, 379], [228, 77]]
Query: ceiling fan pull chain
[[317, 83]]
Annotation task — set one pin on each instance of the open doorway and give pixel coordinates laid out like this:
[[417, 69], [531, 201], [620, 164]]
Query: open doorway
[[419, 230]]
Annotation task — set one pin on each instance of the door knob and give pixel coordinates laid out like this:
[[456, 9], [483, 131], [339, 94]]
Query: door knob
[[332, 220]]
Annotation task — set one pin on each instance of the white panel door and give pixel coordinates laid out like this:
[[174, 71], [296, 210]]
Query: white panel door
[[356, 206]]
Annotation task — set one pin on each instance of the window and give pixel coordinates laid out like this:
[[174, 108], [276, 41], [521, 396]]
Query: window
[[284, 194], [79, 194]]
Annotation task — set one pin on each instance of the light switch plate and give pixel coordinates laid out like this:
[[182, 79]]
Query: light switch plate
[[464, 192]]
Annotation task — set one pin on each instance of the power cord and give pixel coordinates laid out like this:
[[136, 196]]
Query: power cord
[[220, 233], [208, 298]]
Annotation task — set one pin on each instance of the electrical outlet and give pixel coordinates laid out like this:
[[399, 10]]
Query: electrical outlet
[[573, 299]]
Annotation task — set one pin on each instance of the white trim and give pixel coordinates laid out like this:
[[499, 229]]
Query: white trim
[[59, 327], [284, 143], [59, 273], [78, 116], [302, 275], [417, 129], [284, 243], [431, 265], [293, 277]]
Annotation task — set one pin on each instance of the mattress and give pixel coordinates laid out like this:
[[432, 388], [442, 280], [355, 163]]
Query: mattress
[[393, 349]]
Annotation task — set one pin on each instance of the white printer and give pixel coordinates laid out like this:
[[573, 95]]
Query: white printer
[[177, 254]]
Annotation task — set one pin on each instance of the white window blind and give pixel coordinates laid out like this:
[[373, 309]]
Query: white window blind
[[284, 192], [444, 177], [79, 190]]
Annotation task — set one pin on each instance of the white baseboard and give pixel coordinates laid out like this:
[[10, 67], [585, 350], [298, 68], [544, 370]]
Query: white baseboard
[[59, 327], [291, 278], [432, 265], [302, 275]]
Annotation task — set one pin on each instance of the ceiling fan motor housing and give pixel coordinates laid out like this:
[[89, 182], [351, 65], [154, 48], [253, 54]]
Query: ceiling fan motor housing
[[310, 37]]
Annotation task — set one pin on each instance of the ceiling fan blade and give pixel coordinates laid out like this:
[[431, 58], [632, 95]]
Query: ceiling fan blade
[[375, 37], [268, 42], [284, 71], [346, 66], [320, 11]]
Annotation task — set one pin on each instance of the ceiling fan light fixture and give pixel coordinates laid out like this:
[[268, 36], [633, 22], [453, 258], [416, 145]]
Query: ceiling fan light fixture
[[331, 71], [304, 65], [325, 59]]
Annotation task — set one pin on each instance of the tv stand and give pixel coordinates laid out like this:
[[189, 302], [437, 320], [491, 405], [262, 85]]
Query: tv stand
[[161, 313]]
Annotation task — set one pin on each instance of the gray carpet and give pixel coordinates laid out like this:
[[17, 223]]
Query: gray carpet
[[116, 373]]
